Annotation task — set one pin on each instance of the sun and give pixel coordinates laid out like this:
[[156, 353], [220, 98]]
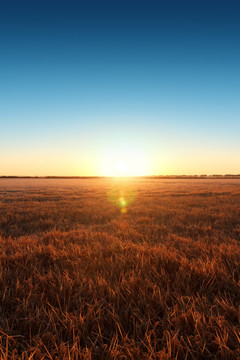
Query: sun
[[122, 168], [124, 164]]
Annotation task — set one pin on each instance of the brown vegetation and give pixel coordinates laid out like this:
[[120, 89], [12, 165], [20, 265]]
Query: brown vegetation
[[80, 279]]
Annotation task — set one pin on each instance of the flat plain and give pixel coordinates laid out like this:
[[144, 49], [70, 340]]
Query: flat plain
[[119, 269]]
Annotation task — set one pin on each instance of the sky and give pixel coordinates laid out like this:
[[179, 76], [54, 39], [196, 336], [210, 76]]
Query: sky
[[119, 87]]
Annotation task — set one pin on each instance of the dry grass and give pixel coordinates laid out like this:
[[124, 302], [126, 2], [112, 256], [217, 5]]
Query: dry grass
[[79, 279]]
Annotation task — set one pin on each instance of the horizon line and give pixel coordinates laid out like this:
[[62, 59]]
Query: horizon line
[[120, 177]]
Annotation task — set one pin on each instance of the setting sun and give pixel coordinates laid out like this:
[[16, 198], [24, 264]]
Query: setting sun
[[124, 164], [122, 168]]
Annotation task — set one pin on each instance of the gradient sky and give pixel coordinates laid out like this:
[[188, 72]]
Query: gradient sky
[[86, 84]]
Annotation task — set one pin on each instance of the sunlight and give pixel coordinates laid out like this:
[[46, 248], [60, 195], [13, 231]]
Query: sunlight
[[122, 168], [124, 164]]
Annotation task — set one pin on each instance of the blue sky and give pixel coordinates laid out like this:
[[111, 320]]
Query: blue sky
[[151, 79]]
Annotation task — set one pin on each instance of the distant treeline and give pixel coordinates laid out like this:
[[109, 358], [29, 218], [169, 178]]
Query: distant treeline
[[214, 176]]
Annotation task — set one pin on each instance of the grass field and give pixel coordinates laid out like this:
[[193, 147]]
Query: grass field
[[116, 269]]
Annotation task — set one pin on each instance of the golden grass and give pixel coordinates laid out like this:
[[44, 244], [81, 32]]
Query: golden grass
[[79, 279]]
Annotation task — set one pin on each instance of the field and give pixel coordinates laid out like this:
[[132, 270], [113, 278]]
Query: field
[[119, 269]]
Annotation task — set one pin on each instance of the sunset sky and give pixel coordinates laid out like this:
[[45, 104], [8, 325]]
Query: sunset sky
[[108, 87]]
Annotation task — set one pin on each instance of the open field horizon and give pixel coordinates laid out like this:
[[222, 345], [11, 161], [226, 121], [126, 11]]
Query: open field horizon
[[120, 180], [183, 176], [120, 269]]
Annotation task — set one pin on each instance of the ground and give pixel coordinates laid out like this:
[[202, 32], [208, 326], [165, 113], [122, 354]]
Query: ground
[[119, 269]]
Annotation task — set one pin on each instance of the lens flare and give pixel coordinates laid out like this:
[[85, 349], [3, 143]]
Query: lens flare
[[122, 195]]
